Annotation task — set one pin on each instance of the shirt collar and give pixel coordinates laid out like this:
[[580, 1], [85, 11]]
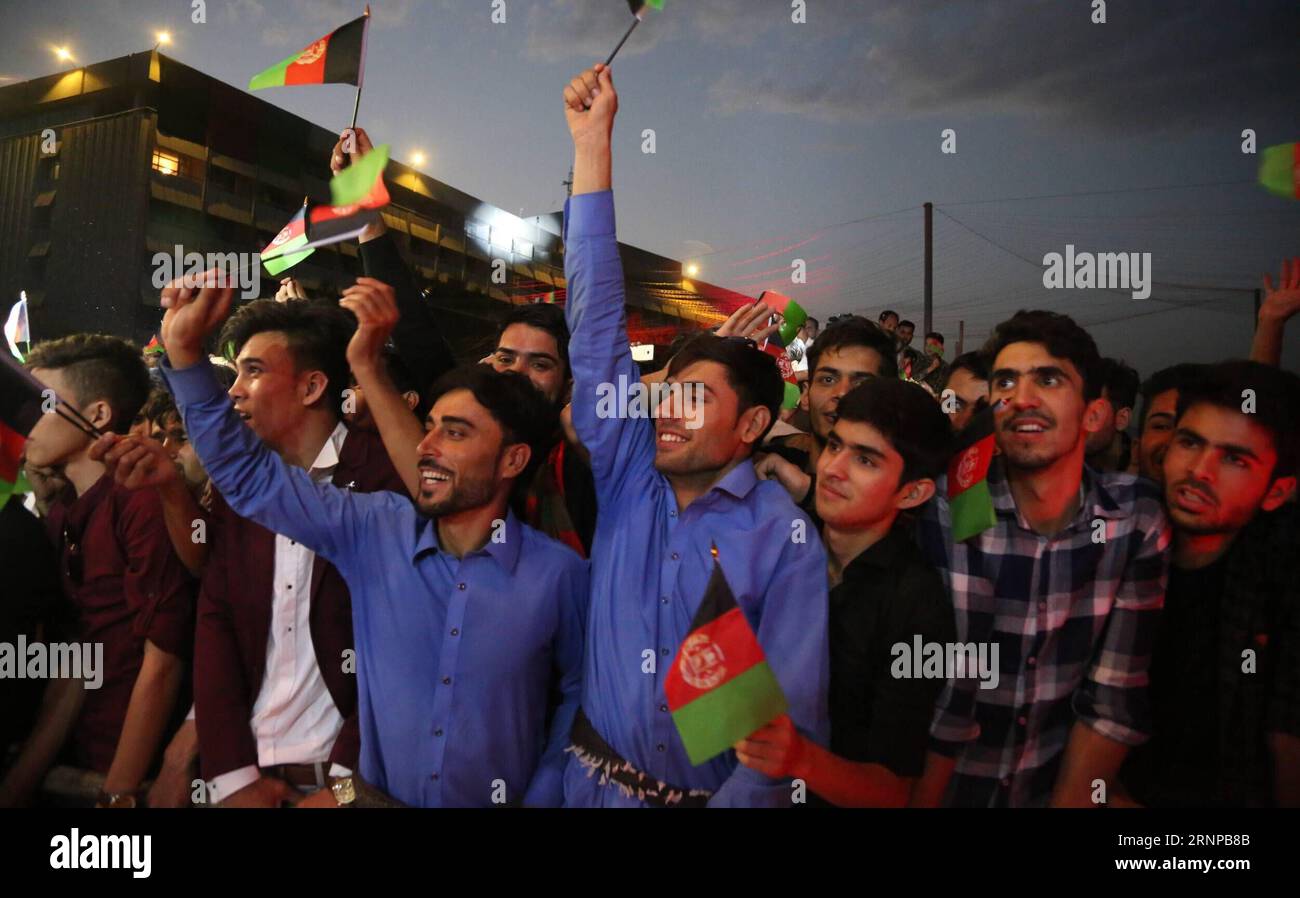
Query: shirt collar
[[880, 555], [1095, 501], [739, 481], [504, 549], [328, 457]]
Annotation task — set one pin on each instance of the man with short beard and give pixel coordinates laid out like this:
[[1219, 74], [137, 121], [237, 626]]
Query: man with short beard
[[1068, 583], [1159, 404], [1225, 671], [676, 496], [461, 613]]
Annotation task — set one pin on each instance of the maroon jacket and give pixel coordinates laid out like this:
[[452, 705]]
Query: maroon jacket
[[127, 585], [234, 622]]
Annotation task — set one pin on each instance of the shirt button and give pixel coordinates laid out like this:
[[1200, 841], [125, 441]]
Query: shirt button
[[455, 631], [663, 600], [663, 708], [1032, 661], [1006, 783], [433, 776], [446, 681], [661, 747], [672, 514], [1022, 721], [437, 732], [676, 556], [460, 585], [664, 652]]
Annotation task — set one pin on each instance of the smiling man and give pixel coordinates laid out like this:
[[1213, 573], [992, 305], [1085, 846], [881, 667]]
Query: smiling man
[[670, 496], [1225, 673], [1067, 584], [462, 615]]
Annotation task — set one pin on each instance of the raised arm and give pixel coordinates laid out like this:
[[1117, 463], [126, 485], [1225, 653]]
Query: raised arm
[[621, 448], [375, 306], [1277, 308], [420, 343]]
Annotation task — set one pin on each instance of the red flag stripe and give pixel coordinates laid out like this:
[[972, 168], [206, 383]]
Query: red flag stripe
[[710, 656]]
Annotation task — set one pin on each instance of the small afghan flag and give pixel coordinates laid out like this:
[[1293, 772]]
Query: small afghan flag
[[289, 246], [720, 688], [337, 58], [792, 314], [362, 183], [969, 499], [154, 346], [12, 479], [638, 6], [1279, 170]]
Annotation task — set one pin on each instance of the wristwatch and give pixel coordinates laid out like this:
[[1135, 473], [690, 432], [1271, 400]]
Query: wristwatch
[[345, 793]]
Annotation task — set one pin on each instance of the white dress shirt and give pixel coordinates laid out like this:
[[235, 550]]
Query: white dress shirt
[[294, 718]]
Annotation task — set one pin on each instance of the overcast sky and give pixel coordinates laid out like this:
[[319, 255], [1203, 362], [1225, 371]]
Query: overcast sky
[[777, 140]]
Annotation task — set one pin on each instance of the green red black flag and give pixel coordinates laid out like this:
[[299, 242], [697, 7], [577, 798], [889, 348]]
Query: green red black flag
[[337, 58], [969, 499], [1279, 170], [720, 688]]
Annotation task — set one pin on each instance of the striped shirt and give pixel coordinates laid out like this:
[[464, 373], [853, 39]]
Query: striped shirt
[[1073, 618]]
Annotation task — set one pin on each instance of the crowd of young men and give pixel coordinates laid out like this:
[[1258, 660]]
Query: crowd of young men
[[338, 569]]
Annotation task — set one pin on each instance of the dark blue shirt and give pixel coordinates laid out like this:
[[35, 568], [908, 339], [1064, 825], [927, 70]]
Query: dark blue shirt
[[454, 657]]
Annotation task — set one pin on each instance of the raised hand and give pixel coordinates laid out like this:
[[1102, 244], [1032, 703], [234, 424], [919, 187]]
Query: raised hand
[[289, 289], [590, 104], [1284, 301], [375, 305], [352, 144], [750, 320], [194, 310]]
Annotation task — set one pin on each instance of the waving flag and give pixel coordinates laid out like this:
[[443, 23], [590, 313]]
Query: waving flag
[[720, 688], [337, 58], [17, 330], [12, 480], [289, 246], [969, 499], [775, 345], [1279, 170]]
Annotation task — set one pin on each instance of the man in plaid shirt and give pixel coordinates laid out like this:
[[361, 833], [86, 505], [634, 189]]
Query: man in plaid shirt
[[1068, 584]]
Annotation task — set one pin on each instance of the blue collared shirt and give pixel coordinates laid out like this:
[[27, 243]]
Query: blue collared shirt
[[651, 564], [454, 657]]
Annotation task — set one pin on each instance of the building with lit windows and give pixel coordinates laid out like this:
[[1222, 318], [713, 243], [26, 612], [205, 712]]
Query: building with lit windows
[[103, 166]]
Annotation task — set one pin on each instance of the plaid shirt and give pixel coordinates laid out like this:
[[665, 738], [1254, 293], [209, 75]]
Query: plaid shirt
[[1074, 620]]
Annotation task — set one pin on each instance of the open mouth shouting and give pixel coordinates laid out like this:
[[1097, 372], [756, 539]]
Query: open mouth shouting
[[1192, 498]]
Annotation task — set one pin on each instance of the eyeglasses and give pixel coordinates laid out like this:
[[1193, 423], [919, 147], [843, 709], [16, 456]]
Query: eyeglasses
[[74, 564]]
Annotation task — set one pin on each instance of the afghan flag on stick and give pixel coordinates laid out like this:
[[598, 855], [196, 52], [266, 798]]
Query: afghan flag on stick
[[720, 688], [793, 316], [1279, 170], [969, 499], [775, 345], [638, 8], [289, 246], [337, 58]]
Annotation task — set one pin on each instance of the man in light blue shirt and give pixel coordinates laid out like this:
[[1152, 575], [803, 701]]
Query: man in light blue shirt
[[463, 616], [669, 491]]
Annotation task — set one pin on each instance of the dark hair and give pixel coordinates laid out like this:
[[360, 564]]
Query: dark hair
[[973, 362], [545, 317], [524, 414], [888, 313], [855, 331], [97, 367], [1063, 338], [906, 323], [908, 417], [159, 405], [226, 376], [811, 320], [1121, 383], [1175, 377], [1277, 402], [934, 335], [317, 334], [752, 373]]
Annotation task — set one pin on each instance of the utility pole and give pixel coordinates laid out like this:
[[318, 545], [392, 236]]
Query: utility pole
[[929, 268], [961, 337]]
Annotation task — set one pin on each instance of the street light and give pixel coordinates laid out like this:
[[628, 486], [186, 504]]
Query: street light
[[692, 270], [417, 159], [164, 39], [63, 54]]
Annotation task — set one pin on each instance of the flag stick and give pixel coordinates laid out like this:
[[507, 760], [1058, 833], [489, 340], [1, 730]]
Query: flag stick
[[356, 106], [636, 20]]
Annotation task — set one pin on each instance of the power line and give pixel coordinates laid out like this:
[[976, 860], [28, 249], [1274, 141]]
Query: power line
[[1055, 196]]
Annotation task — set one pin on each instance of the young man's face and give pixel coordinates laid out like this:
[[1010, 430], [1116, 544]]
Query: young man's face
[[968, 391], [1113, 421], [53, 441], [890, 324], [719, 437], [1045, 417], [838, 371], [858, 477], [1218, 471], [269, 393], [904, 334], [170, 431], [534, 352], [1157, 431], [462, 456]]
